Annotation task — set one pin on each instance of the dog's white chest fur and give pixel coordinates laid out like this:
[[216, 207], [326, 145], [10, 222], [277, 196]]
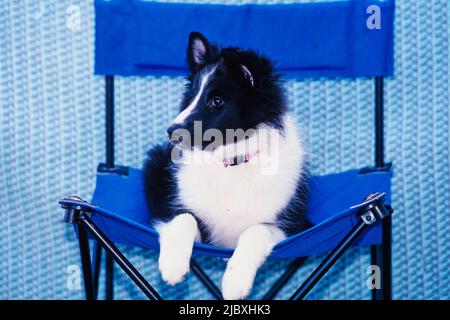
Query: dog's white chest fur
[[231, 199]]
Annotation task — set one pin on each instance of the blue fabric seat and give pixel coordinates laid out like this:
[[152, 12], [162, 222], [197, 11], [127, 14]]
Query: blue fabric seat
[[122, 213]]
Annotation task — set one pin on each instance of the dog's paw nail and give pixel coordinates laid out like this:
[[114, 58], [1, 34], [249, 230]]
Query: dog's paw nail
[[235, 286], [172, 271]]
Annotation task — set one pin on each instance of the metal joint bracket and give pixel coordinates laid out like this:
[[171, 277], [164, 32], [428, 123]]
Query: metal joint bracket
[[368, 217], [120, 170], [385, 168], [375, 210], [75, 209]]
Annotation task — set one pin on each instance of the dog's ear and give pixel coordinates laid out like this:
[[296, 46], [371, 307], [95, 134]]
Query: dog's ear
[[200, 51], [240, 68], [247, 75]]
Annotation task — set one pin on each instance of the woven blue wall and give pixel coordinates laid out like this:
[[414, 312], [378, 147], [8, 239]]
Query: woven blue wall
[[52, 137]]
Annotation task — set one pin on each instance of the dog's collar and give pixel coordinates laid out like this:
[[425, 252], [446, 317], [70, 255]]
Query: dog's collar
[[236, 160]]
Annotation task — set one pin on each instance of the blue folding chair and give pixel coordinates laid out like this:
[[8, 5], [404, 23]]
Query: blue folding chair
[[332, 39]]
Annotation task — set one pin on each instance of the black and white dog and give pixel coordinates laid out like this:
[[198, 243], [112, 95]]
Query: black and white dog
[[240, 181]]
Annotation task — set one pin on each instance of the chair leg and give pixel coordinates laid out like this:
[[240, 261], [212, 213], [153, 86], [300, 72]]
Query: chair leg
[[109, 285], [381, 254], [381, 257], [118, 257], [96, 263], [207, 282], [86, 263], [329, 261], [284, 278]]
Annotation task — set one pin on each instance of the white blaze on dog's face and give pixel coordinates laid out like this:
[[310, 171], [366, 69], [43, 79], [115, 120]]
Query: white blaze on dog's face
[[223, 93], [204, 77]]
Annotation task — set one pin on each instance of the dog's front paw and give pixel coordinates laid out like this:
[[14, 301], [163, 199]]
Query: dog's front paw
[[236, 283], [173, 269]]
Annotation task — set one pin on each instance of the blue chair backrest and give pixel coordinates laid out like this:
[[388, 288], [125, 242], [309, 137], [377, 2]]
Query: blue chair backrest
[[350, 38]]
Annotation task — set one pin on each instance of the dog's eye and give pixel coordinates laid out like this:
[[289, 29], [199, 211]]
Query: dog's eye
[[215, 102]]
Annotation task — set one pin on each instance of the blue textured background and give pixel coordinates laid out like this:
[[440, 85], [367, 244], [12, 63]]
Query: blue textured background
[[52, 137]]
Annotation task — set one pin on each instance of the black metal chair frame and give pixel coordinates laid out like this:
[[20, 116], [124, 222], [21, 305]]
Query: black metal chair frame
[[79, 215]]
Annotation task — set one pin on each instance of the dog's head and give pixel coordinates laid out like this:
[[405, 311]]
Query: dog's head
[[227, 89]]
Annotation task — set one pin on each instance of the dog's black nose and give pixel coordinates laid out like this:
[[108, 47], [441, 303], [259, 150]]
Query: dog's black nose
[[173, 136]]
